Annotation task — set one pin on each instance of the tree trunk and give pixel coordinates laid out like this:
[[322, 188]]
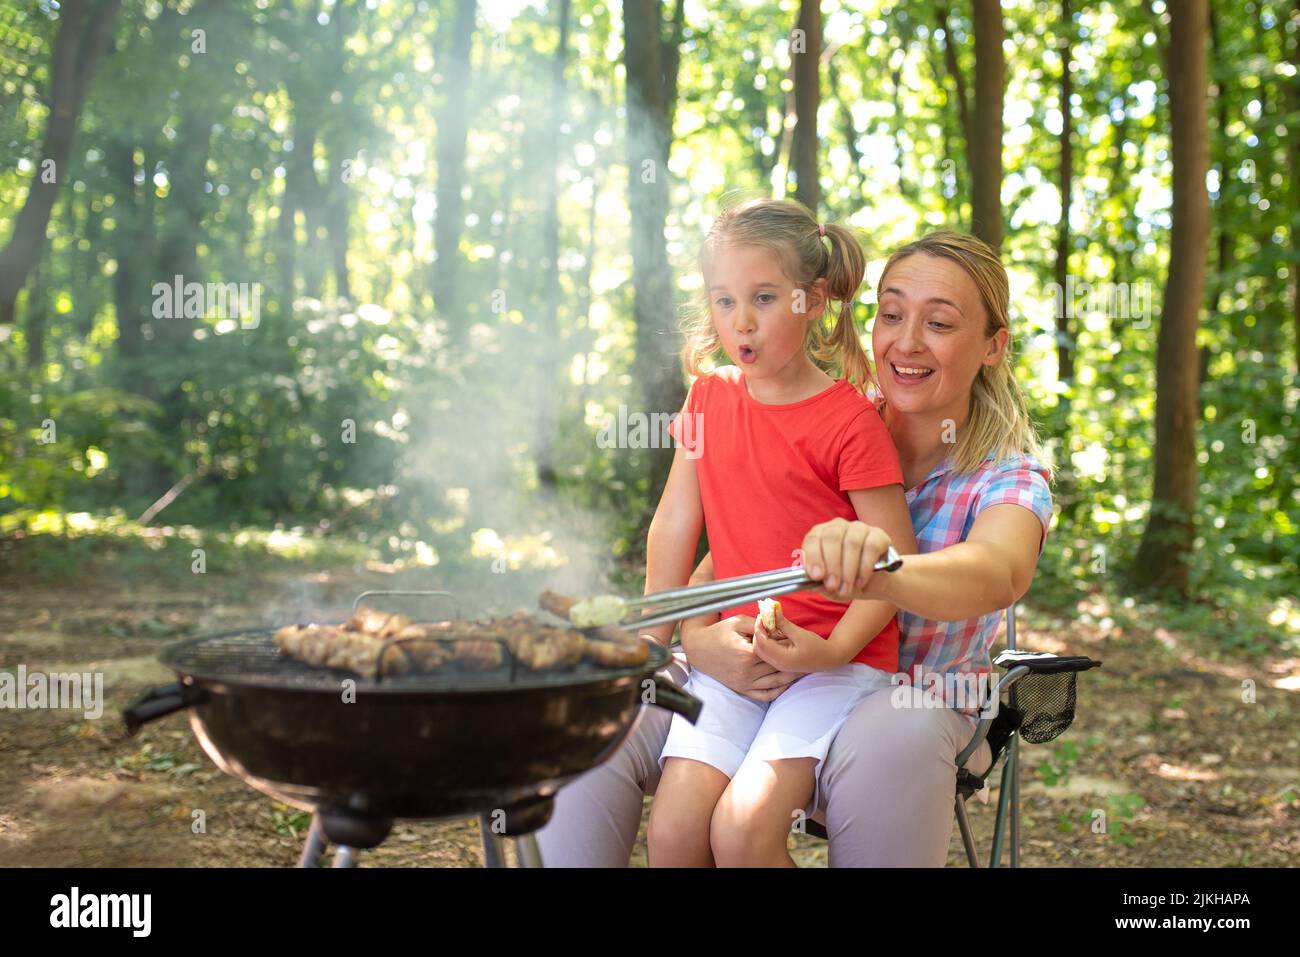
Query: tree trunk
[[900, 124], [849, 131], [986, 147], [1293, 166], [1120, 184], [963, 109], [1162, 560], [549, 331], [958, 76], [183, 219], [77, 48], [1065, 335], [650, 62], [807, 98], [132, 258], [37, 311], [452, 134], [1218, 284]]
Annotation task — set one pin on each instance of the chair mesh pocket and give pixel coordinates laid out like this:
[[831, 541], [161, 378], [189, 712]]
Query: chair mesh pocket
[[1048, 704]]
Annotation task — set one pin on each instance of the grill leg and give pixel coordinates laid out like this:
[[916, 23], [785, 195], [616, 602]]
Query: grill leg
[[315, 846], [493, 856], [530, 855], [345, 857]]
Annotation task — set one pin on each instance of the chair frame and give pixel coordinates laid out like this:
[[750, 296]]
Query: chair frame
[[1009, 789], [967, 783]]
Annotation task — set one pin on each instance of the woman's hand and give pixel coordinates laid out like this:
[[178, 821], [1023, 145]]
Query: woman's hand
[[791, 648], [842, 556], [723, 651]]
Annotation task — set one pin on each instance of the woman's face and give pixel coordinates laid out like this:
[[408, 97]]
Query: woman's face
[[752, 304], [929, 337]]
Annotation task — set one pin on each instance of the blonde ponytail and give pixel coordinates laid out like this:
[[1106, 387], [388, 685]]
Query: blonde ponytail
[[845, 269]]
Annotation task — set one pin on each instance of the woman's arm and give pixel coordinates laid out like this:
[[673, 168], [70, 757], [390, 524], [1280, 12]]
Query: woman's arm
[[885, 508], [674, 534], [988, 571]]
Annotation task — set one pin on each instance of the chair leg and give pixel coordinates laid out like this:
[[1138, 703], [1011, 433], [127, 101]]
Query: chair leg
[[1015, 801], [1004, 799], [966, 837]]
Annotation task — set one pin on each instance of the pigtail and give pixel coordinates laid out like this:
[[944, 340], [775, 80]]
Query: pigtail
[[846, 265]]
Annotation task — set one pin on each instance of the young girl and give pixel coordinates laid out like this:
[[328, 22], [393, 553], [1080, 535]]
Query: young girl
[[767, 447]]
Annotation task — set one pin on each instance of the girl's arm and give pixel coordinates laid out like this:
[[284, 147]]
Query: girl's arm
[[674, 534], [864, 619], [988, 571]]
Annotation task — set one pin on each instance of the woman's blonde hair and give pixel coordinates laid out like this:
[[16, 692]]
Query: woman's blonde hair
[[999, 419], [794, 235]]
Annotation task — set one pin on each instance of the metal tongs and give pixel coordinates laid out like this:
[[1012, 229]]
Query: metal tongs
[[675, 604]]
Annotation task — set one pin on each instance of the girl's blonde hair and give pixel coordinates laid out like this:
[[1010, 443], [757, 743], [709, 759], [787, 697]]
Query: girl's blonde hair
[[794, 235], [999, 419]]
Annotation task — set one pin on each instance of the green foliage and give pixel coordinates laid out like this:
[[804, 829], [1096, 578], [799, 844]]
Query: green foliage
[[1056, 769], [337, 108]]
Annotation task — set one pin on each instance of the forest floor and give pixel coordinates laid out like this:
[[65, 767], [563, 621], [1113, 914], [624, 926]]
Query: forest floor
[[1166, 764]]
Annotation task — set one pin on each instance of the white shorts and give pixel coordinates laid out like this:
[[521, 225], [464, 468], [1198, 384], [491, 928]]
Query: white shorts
[[800, 723]]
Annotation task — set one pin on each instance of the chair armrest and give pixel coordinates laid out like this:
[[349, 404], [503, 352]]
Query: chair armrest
[[1044, 663]]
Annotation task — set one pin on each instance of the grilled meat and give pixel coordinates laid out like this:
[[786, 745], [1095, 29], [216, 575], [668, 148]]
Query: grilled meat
[[617, 654], [374, 644], [329, 646]]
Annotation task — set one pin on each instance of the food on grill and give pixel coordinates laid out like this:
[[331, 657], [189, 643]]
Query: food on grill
[[329, 646], [377, 623], [598, 611], [768, 609], [617, 654], [556, 604], [563, 606], [480, 653], [375, 644], [540, 647]]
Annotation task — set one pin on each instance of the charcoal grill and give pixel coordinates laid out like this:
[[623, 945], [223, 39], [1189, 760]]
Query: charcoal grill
[[360, 752]]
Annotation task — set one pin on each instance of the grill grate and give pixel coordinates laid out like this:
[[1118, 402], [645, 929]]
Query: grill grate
[[249, 657]]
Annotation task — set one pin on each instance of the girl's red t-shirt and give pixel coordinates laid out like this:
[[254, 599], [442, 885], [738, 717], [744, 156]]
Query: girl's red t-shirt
[[768, 473]]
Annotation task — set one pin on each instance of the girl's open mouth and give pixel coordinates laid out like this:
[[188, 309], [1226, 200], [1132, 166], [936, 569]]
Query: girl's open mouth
[[910, 373], [747, 354]]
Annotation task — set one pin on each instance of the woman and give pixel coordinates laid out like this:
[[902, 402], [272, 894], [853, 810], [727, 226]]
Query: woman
[[980, 505]]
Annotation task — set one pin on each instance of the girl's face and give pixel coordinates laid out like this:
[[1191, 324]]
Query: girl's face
[[753, 306], [929, 339]]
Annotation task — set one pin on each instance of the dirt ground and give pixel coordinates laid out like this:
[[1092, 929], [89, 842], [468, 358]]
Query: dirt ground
[[1165, 765]]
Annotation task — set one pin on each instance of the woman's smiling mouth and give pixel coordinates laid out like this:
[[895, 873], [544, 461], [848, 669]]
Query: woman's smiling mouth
[[910, 373]]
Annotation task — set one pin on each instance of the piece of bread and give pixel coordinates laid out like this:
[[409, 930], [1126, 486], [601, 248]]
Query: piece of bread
[[768, 609]]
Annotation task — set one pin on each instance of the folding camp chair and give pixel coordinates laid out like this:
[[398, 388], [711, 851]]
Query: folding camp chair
[[1040, 705]]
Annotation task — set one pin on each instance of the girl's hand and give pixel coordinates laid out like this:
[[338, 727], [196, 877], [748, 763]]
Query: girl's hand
[[723, 651], [791, 648], [842, 556]]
